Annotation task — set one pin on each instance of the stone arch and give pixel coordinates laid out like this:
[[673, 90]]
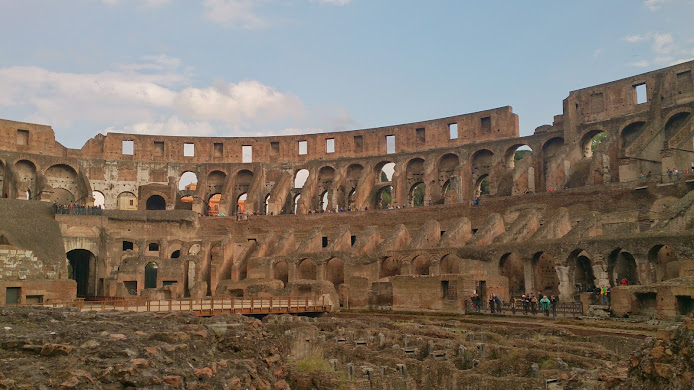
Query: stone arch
[[450, 264], [629, 134], [213, 203], [384, 171], [481, 164], [81, 268], [25, 172], [421, 265], [127, 201], [545, 272], [215, 182], [155, 202], [552, 147], [354, 172], [300, 177], [335, 271], [390, 267], [99, 199], [187, 181], [620, 265], [62, 178], [417, 194], [659, 256], [296, 203], [266, 204], [589, 142], [511, 266], [308, 269], [242, 183], [241, 203], [581, 271], [326, 176], [482, 185], [151, 275], [675, 123], [280, 271], [448, 166], [384, 197], [414, 172], [513, 154]]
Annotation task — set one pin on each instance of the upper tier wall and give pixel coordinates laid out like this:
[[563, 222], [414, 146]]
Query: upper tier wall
[[475, 127]]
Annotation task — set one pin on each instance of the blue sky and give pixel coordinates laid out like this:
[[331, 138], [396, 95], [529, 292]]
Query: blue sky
[[264, 67]]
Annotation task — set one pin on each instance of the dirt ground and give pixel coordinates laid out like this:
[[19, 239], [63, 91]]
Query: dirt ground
[[42, 348]]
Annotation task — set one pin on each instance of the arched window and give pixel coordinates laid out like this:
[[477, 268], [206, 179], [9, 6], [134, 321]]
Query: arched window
[[151, 275]]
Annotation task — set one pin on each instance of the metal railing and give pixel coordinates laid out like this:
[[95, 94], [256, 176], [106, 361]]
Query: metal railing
[[565, 309]]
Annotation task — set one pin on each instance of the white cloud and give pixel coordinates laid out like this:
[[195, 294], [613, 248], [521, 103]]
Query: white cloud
[[596, 53], [665, 51], [654, 5], [155, 96], [129, 95], [236, 13], [238, 103], [169, 126], [637, 38], [243, 13], [663, 43], [145, 3], [338, 3]]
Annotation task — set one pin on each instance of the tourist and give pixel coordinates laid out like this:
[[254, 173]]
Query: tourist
[[512, 301], [533, 304], [497, 302], [675, 172], [525, 303], [554, 301], [491, 303], [545, 304]]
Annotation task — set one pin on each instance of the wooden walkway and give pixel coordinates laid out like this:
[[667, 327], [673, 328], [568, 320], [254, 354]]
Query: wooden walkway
[[203, 306]]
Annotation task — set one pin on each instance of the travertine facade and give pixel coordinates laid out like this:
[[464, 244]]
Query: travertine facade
[[590, 205]]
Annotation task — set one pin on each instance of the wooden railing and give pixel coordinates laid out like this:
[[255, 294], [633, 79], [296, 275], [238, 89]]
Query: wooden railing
[[201, 306]]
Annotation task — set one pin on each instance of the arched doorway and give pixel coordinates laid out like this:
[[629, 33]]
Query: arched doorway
[[546, 278], [622, 265], [307, 269], [511, 266], [99, 199], [417, 195], [151, 275], [421, 265], [335, 272], [81, 262], [155, 202], [659, 257], [280, 271], [389, 267]]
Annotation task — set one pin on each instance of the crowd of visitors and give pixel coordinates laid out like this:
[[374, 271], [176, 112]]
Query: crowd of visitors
[[76, 209]]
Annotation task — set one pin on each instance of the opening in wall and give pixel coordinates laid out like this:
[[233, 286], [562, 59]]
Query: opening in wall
[[640, 93], [247, 154], [22, 137], [358, 143], [486, 124], [275, 147], [421, 135], [188, 150], [303, 148], [218, 149], [128, 147], [453, 131], [158, 148], [330, 145], [390, 144], [324, 242]]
